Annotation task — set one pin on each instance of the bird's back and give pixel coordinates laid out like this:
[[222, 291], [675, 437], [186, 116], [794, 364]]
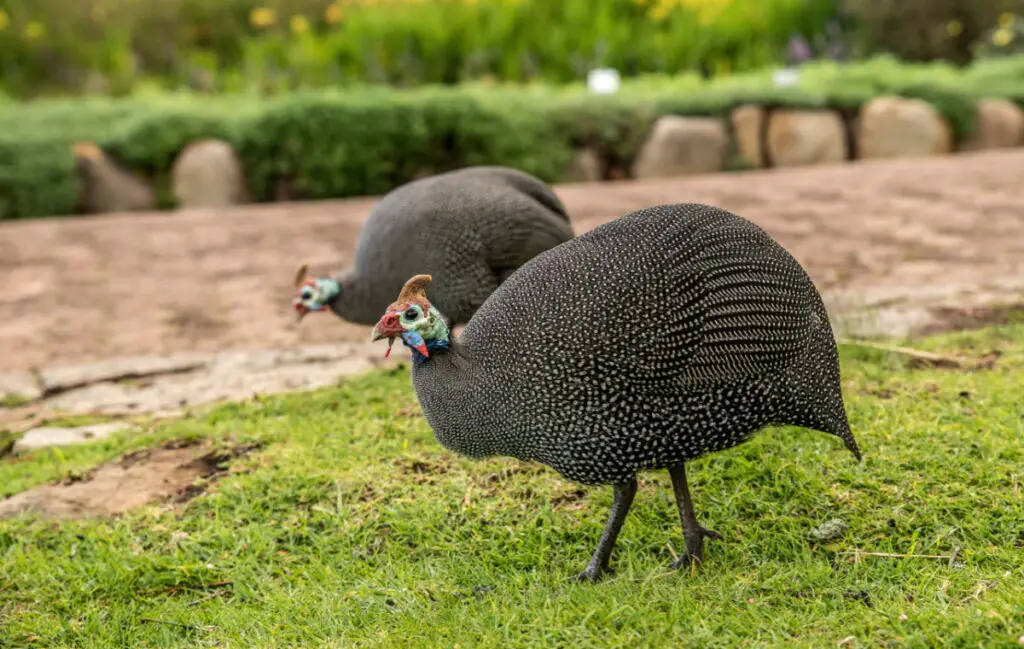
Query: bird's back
[[670, 332], [470, 228]]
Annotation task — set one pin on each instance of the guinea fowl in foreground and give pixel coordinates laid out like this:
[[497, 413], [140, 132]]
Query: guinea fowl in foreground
[[667, 334], [469, 228]]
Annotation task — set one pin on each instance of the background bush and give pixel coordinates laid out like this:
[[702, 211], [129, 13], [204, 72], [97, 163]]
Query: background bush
[[318, 144], [273, 45], [925, 30]]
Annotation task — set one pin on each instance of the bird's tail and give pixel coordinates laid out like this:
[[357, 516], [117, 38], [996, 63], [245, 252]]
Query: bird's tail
[[843, 432]]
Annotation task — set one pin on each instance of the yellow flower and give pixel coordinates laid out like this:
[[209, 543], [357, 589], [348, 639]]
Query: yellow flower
[[333, 14], [954, 28], [1006, 19], [1002, 37], [299, 25], [262, 17], [660, 11], [4, 20], [34, 31]]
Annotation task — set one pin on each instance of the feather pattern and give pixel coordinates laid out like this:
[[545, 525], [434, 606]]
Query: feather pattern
[[669, 333], [469, 228]]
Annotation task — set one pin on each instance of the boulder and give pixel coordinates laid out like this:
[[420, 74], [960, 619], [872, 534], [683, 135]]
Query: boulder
[[208, 173], [806, 137], [585, 167], [105, 187], [999, 125], [747, 124], [898, 127], [680, 146]]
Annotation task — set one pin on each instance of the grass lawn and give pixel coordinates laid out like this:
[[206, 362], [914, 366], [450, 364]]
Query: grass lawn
[[352, 527]]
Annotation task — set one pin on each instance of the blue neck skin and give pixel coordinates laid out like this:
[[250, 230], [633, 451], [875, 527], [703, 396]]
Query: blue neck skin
[[432, 346]]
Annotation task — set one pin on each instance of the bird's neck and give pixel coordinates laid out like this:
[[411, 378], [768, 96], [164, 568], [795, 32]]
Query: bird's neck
[[353, 301], [449, 386], [433, 347]]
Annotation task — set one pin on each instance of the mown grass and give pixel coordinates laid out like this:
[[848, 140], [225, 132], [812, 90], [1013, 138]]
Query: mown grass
[[352, 527]]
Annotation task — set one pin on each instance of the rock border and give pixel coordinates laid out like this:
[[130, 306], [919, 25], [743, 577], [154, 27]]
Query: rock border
[[208, 174]]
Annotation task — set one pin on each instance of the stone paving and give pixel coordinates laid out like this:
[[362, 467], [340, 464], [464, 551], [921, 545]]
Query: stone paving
[[151, 313]]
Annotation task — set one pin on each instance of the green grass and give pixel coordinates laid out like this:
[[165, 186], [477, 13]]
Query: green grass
[[14, 400], [352, 527]]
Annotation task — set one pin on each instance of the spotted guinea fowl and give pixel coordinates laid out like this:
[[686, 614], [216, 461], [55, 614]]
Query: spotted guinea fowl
[[667, 334], [469, 228]]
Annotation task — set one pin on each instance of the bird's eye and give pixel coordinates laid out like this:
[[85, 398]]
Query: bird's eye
[[411, 313], [307, 293]]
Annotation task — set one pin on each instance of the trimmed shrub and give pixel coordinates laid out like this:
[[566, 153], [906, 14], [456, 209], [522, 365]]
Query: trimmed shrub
[[354, 142], [37, 178]]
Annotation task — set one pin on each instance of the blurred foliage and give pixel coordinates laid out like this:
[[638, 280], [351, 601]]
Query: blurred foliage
[[278, 45], [925, 30], [365, 140]]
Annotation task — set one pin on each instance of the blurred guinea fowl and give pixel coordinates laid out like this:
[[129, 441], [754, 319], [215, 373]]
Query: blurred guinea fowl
[[667, 334], [469, 228]]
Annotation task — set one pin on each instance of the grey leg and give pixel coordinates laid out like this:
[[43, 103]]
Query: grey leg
[[693, 532], [624, 494]]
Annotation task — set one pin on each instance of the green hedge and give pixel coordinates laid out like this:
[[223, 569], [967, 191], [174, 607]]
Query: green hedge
[[366, 141]]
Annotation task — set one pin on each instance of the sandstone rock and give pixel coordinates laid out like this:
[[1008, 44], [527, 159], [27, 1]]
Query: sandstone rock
[[897, 127], [61, 379], [998, 125], [747, 122], [208, 173], [585, 167], [679, 146], [19, 386], [105, 187], [804, 137], [45, 436]]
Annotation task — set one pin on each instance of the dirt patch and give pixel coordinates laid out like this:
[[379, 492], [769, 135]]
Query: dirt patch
[[964, 319], [79, 290], [175, 471], [569, 500], [98, 315]]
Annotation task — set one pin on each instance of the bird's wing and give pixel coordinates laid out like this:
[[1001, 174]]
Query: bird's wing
[[526, 184], [723, 315]]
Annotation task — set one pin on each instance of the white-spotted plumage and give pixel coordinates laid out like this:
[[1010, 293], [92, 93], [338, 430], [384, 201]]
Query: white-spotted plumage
[[667, 334], [469, 228]]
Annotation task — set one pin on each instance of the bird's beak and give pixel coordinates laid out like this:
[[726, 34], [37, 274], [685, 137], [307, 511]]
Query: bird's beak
[[387, 327], [300, 311]]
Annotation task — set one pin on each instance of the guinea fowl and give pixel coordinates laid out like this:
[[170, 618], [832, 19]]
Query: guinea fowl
[[470, 228], [667, 334]]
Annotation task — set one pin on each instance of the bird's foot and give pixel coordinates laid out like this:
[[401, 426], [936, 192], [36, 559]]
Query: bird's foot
[[695, 547], [591, 575]]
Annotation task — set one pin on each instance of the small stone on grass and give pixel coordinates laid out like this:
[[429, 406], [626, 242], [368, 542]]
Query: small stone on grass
[[829, 531]]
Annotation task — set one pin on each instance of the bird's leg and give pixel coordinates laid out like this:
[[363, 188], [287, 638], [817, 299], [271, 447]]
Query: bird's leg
[[624, 493], [693, 532]]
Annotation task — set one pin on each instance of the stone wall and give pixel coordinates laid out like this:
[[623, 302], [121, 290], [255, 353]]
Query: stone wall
[[208, 173]]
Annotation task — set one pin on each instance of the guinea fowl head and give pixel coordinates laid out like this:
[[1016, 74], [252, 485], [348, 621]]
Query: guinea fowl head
[[413, 319], [312, 293]]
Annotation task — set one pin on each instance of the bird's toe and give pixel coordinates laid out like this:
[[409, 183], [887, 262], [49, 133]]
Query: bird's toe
[[589, 576]]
